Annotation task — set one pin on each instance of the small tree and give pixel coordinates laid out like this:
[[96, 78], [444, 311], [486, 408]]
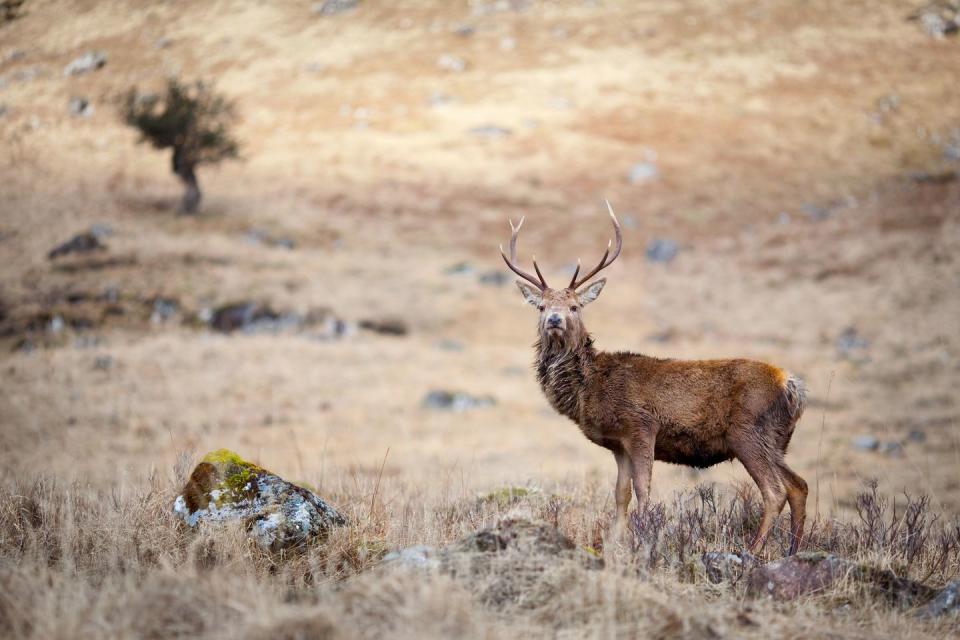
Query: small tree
[[192, 120]]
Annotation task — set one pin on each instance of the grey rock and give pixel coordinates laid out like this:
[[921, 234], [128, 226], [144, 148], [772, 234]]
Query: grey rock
[[455, 401], [439, 99], [162, 42], [661, 250], [163, 310], [892, 449], [850, 344], [385, 326], [643, 172], [451, 63], [814, 212], [81, 243], [465, 30], [449, 345], [101, 230], [259, 237], [334, 7], [419, 558], [494, 278], [57, 324], [277, 514], [103, 363], [251, 317], [490, 131], [90, 61], [865, 443], [947, 601], [916, 435], [459, 268], [724, 567], [80, 107]]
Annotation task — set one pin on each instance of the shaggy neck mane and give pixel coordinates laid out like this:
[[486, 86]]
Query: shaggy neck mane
[[562, 370]]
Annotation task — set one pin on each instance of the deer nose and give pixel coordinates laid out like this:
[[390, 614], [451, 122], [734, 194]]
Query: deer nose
[[554, 320]]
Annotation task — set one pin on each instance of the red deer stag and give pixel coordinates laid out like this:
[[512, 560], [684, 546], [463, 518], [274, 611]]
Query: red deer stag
[[694, 412]]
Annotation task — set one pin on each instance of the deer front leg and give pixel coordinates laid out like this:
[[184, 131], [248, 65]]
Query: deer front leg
[[622, 492]]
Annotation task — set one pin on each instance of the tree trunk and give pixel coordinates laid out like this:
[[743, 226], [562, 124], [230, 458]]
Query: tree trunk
[[185, 171]]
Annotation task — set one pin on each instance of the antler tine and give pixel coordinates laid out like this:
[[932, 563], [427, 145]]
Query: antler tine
[[573, 280], [604, 262], [536, 267], [511, 261]]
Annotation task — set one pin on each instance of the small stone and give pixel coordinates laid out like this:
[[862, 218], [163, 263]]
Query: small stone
[[101, 230], [420, 557], [80, 107], [102, 363], [334, 7], [90, 61], [850, 344], [643, 172], [490, 131], [465, 30], [251, 317], [80, 243], [385, 326], [451, 63], [494, 278], [162, 42], [3, 110], [457, 402], [815, 213], [865, 443], [449, 345], [722, 567], [916, 435], [57, 324], [459, 268], [892, 449], [163, 310], [661, 250]]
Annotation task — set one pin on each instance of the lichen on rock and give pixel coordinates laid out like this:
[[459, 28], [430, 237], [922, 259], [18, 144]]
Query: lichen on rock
[[278, 514]]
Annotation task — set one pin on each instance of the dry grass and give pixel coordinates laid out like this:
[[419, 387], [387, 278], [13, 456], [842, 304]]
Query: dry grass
[[80, 563], [359, 150]]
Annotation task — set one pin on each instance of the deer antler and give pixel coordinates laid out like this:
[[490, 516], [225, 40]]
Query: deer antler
[[511, 261], [604, 263]]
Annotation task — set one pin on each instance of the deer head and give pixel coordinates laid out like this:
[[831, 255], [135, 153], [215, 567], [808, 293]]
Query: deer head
[[560, 322]]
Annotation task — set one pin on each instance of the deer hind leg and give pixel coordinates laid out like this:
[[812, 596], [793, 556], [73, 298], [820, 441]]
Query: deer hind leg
[[766, 473], [622, 492], [797, 496]]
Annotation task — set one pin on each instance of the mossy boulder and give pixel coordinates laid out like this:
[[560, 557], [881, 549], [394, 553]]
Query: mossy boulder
[[278, 514]]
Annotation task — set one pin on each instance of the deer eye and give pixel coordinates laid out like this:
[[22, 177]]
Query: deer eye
[[573, 307], [541, 307]]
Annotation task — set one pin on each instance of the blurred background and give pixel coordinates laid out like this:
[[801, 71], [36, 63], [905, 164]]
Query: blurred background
[[785, 172]]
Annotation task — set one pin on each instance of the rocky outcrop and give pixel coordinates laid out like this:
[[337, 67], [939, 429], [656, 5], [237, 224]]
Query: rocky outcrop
[[277, 514]]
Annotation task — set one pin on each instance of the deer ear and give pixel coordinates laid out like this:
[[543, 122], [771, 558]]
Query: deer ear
[[591, 293], [530, 294]]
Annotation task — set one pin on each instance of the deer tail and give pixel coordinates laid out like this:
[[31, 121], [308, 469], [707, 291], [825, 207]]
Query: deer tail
[[795, 393]]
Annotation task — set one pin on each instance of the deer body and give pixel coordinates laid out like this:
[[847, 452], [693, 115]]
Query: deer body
[[695, 413]]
